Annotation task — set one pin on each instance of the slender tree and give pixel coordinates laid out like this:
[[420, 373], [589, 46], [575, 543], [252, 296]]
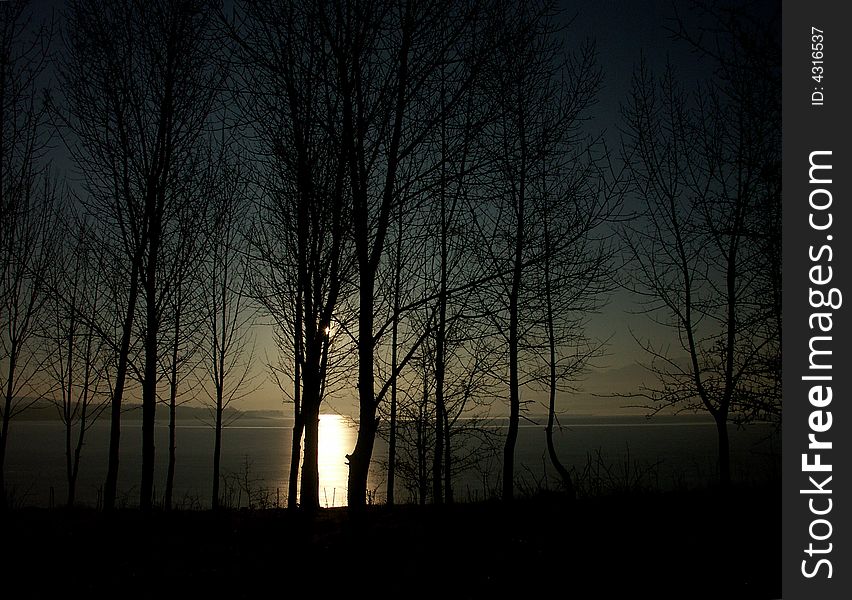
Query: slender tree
[[229, 350], [78, 368], [386, 60], [28, 256], [706, 166], [139, 84], [183, 310], [542, 92], [305, 215], [579, 200], [26, 210]]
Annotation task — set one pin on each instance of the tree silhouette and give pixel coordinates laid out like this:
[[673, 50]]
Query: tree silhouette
[[139, 84], [547, 197], [388, 113], [79, 363], [302, 240], [706, 167], [228, 312], [27, 213], [182, 307]]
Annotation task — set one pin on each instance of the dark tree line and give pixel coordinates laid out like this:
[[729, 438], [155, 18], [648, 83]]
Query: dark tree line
[[28, 196], [409, 192], [706, 248]]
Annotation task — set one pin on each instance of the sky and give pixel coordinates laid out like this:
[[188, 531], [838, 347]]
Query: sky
[[622, 30]]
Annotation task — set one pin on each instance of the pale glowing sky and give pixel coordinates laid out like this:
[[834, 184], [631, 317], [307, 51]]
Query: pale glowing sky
[[622, 29]]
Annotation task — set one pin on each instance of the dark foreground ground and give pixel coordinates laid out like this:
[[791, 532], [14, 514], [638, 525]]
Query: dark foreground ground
[[678, 545]]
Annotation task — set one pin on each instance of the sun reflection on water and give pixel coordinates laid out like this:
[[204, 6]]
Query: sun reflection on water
[[336, 439]]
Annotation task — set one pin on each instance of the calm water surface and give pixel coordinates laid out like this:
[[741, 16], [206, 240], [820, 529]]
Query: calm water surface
[[256, 458]]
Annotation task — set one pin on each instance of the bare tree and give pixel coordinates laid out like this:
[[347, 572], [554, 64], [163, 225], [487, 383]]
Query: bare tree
[[404, 281], [139, 82], [458, 367], [27, 258], [27, 215], [468, 440], [302, 242], [397, 267], [228, 314], [580, 197], [414, 430], [386, 60], [545, 205], [706, 167], [80, 355], [182, 307]]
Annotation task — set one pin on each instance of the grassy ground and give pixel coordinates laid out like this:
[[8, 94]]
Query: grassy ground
[[675, 545]]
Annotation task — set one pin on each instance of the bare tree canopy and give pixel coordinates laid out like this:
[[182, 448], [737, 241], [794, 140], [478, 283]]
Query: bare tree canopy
[[706, 252]]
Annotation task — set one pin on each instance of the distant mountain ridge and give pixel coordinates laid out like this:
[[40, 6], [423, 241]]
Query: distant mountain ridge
[[44, 410]]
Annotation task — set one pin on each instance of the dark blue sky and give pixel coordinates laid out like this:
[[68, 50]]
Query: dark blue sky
[[622, 30]]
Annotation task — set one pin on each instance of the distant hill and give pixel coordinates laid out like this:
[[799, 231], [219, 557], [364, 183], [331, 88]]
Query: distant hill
[[44, 410]]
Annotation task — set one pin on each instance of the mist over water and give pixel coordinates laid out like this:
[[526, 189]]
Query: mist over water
[[607, 452]]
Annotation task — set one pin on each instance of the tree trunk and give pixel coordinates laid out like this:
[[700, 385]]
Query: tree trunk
[[149, 402], [111, 483], [295, 455], [514, 378], [69, 456], [359, 460], [514, 404], [441, 333], [67, 413], [298, 422], [3, 435], [724, 452], [312, 378], [309, 491], [448, 455], [217, 450], [440, 366], [392, 440], [7, 414], [4, 432], [397, 286], [564, 475], [422, 472], [170, 474], [78, 450], [438, 454]]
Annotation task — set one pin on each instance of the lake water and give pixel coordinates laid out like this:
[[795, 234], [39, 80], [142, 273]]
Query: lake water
[[660, 453]]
